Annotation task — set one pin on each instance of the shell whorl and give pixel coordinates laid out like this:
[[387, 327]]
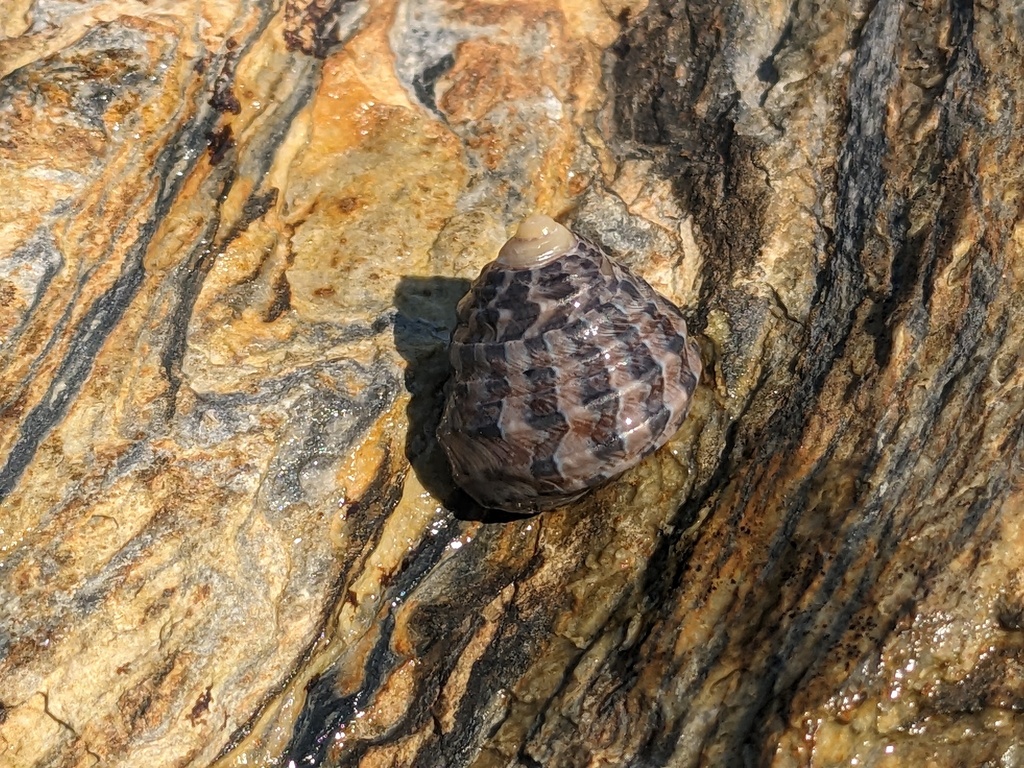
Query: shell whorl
[[566, 371], [538, 240]]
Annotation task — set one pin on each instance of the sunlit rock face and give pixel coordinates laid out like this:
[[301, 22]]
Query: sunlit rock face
[[232, 237]]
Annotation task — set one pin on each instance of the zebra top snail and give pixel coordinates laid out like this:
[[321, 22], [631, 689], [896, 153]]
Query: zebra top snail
[[567, 370]]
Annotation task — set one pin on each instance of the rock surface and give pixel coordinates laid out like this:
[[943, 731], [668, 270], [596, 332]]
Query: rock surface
[[231, 242]]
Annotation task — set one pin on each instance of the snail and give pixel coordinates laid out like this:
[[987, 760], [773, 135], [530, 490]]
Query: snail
[[566, 370]]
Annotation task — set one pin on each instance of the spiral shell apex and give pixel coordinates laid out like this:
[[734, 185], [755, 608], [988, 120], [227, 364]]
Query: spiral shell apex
[[567, 370]]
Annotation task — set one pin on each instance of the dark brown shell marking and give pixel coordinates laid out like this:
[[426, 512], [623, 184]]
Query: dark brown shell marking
[[564, 375]]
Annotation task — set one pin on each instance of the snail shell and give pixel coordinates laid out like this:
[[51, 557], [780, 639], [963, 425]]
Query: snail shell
[[566, 371]]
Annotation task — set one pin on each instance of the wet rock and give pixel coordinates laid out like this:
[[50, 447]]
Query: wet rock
[[231, 243]]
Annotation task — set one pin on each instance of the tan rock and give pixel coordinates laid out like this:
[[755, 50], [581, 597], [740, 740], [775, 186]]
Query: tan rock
[[231, 242]]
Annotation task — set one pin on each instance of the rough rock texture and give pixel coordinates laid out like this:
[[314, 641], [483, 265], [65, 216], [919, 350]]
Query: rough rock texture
[[231, 239]]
